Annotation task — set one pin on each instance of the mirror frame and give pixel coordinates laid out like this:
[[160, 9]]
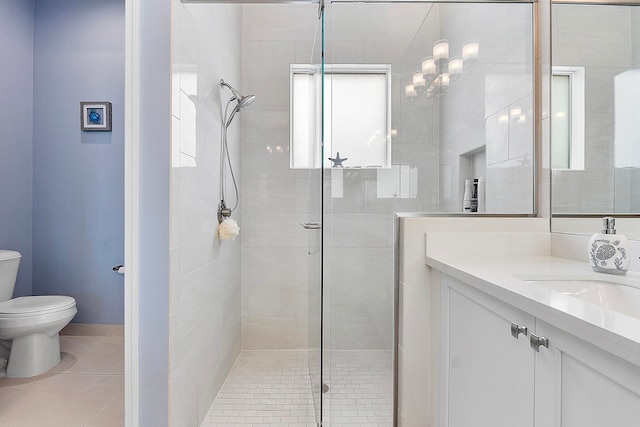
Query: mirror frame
[[588, 223]]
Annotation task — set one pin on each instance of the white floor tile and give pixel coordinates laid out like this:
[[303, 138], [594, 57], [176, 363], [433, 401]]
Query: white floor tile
[[85, 389], [272, 388]]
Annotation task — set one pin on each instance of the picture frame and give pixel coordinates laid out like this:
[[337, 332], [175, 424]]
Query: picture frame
[[95, 116]]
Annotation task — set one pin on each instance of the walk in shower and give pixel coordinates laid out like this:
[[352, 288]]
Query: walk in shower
[[361, 111]]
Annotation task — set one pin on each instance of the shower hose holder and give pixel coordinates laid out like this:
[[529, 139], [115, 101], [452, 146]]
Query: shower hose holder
[[223, 212]]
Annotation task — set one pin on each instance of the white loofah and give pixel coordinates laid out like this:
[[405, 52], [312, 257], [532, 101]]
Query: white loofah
[[228, 229]]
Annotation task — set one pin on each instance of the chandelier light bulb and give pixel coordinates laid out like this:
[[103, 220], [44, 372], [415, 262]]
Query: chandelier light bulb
[[428, 66], [455, 67], [418, 80], [410, 91], [470, 51], [444, 80], [441, 50]]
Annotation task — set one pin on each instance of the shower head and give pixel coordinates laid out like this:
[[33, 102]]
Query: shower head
[[243, 101]]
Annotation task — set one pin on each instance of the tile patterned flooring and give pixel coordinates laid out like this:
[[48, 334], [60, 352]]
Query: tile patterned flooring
[[272, 389], [85, 390], [361, 391], [265, 389]]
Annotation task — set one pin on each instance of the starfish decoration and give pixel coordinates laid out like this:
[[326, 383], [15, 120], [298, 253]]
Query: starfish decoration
[[337, 162]]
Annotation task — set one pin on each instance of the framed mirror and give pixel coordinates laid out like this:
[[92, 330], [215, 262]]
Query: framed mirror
[[595, 115]]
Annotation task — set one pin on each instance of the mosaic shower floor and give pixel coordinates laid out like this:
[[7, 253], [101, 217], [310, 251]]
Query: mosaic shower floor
[[271, 388]]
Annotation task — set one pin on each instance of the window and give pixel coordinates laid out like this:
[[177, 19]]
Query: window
[[357, 116], [567, 118]]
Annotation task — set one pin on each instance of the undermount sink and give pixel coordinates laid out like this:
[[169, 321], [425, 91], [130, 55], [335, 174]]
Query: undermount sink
[[617, 293]]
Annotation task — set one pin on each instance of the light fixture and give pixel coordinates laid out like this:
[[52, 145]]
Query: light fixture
[[441, 50], [429, 68], [455, 67], [470, 51], [410, 91], [418, 81], [444, 80], [438, 71]]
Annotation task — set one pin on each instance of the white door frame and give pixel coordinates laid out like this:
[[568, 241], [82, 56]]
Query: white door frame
[[131, 183]]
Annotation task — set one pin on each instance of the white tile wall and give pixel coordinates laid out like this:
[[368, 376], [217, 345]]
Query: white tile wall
[[204, 318], [275, 198], [491, 108], [510, 185]]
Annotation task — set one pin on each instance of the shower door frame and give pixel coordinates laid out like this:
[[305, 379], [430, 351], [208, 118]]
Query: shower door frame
[[133, 61]]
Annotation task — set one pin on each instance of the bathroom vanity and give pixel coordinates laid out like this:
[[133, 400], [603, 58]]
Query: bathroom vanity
[[516, 333], [506, 364]]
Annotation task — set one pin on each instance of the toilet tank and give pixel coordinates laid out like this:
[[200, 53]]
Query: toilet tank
[[9, 262]]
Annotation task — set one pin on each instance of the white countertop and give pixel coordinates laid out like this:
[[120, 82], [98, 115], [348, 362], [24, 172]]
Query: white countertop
[[496, 275]]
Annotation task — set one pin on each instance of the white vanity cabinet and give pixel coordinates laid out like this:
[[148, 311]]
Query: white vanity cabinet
[[578, 384], [487, 374], [491, 378]]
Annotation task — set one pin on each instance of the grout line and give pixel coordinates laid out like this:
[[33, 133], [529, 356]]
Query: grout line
[[8, 399], [103, 407], [89, 349]]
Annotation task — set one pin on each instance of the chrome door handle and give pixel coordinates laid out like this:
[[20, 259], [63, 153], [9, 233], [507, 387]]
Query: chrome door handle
[[311, 225], [516, 330], [537, 342]]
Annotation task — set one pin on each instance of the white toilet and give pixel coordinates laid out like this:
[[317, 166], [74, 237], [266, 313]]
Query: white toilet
[[29, 326]]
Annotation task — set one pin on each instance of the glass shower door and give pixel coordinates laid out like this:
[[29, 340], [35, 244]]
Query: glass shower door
[[313, 223]]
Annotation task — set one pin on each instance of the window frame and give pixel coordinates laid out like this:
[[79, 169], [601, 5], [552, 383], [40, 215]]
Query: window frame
[[577, 121], [383, 69]]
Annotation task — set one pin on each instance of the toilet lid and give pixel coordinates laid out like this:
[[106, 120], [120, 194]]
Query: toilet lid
[[28, 306]]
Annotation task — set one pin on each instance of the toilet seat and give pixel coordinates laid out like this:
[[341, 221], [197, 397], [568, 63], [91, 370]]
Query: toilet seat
[[35, 306]]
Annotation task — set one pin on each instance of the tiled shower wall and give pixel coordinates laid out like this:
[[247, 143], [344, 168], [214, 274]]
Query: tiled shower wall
[[489, 111], [204, 321], [275, 198], [358, 223], [358, 215]]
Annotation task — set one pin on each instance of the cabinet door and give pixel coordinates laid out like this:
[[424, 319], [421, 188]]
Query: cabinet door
[[488, 375], [580, 385]]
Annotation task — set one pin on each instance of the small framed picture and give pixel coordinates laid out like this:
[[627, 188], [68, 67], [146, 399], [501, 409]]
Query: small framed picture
[[95, 116]]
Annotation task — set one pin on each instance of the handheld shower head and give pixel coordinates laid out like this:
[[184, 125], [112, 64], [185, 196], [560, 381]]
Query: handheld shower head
[[243, 101], [225, 159]]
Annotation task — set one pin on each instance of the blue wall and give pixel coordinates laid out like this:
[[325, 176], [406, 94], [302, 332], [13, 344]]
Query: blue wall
[[78, 177], [16, 135]]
